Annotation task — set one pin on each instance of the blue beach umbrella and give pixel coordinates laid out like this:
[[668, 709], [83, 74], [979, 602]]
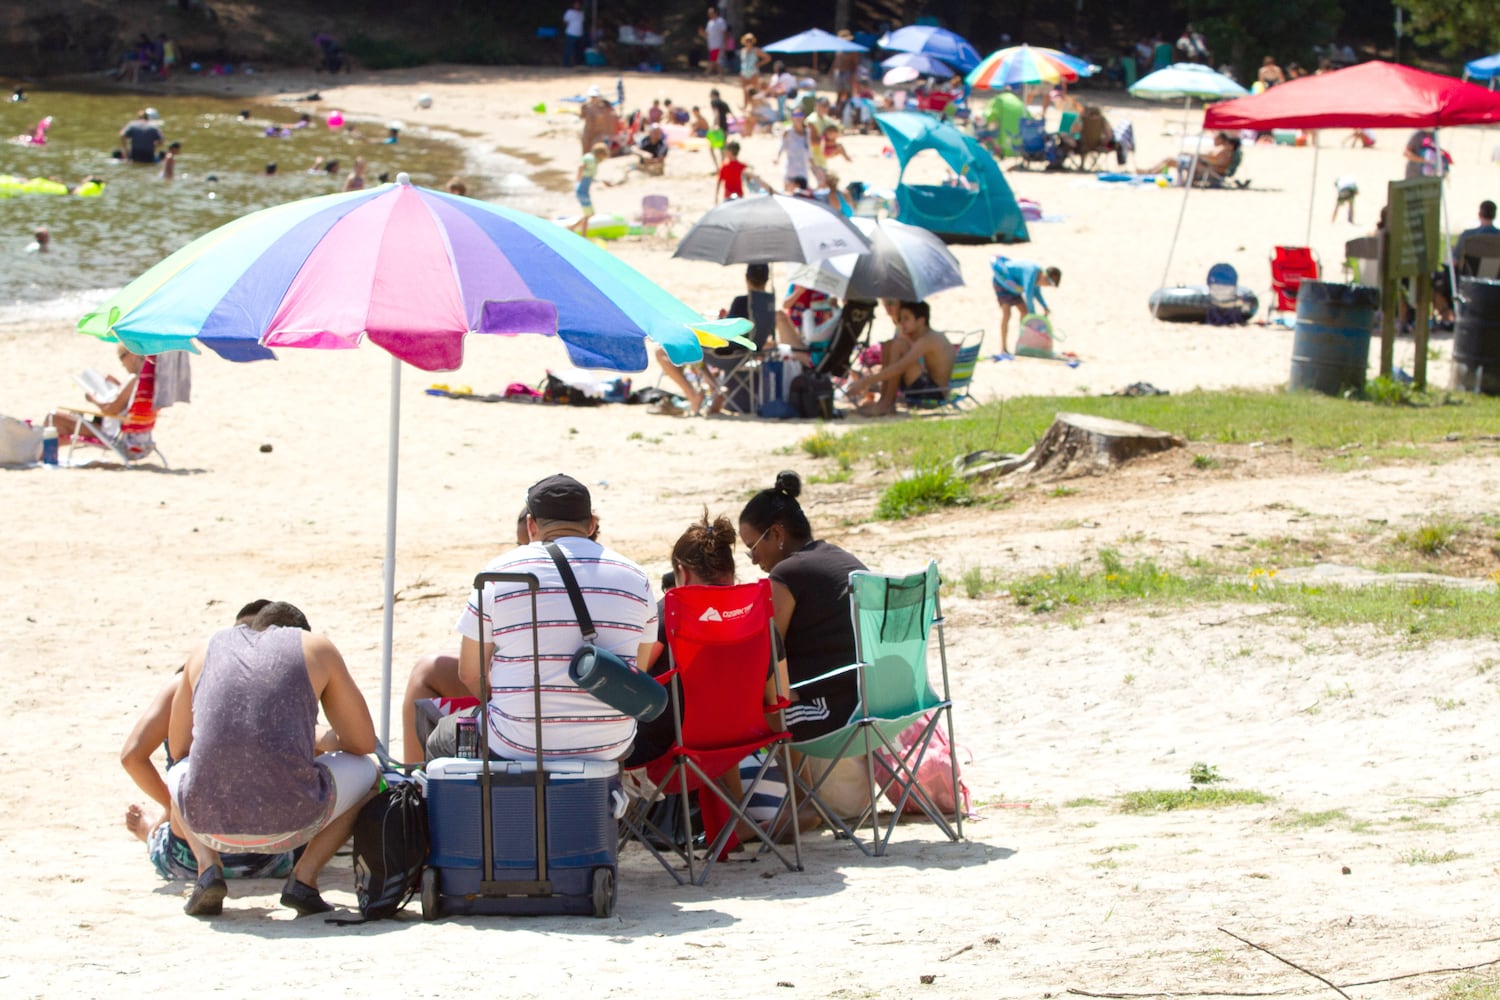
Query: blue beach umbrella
[[811, 41], [924, 64], [413, 270], [930, 40]]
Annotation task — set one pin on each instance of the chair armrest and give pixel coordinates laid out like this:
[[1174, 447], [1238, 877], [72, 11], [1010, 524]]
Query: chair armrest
[[777, 705], [824, 676]]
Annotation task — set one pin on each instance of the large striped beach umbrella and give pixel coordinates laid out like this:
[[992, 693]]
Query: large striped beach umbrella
[[412, 270], [1023, 64]]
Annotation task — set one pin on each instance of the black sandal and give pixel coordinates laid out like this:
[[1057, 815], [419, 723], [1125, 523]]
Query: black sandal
[[303, 898], [208, 895]]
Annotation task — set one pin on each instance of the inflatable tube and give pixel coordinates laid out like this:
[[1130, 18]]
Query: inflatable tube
[[1189, 303], [603, 227], [11, 187]]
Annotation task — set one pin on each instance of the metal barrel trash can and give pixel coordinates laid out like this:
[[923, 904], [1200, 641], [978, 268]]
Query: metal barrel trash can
[[1331, 348], [1476, 339]]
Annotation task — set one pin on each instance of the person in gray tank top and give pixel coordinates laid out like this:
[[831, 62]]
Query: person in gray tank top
[[250, 777]]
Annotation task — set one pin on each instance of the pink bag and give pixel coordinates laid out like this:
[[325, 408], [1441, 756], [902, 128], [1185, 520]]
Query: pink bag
[[934, 773]]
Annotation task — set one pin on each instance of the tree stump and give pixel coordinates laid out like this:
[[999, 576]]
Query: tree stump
[[1077, 444]]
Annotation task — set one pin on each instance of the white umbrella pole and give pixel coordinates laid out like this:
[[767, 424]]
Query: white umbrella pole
[[1449, 251], [387, 625], [1181, 213], [1312, 196]]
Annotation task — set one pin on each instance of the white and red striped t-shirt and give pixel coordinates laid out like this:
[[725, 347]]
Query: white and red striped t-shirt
[[574, 722]]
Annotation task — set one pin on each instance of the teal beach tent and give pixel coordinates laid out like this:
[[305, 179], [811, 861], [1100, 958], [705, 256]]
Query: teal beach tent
[[981, 210]]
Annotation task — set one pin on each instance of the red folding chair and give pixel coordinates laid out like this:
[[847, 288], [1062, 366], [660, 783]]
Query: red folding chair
[[1290, 266], [719, 640]]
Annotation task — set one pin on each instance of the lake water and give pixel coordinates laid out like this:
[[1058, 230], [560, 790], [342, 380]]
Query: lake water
[[99, 244]]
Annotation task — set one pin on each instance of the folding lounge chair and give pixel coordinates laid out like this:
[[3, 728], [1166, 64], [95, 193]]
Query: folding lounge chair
[[657, 216], [730, 370], [1035, 143], [893, 618], [832, 356], [1214, 179], [95, 428], [719, 640], [1290, 266], [965, 360], [1096, 138]]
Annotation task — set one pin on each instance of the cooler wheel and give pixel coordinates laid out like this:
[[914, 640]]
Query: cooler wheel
[[604, 892], [432, 903]]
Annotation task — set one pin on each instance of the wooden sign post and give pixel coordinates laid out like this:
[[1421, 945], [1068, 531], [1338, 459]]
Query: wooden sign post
[[1413, 246]]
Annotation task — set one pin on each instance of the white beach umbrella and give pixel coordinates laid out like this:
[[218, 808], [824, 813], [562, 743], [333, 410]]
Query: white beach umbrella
[[770, 228], [905, 262]]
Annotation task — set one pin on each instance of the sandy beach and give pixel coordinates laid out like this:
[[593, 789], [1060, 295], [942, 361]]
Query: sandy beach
[[111, 576]]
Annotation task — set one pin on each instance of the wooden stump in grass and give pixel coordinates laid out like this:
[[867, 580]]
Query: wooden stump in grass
[[1077, 443]]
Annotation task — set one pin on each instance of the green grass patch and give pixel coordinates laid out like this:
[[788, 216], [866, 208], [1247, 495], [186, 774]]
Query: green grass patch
[[1423, 612], [1473, 988], [1082, 803], [930, 489], [1423, 857], [1431, 539], [978, 581], [1299, 820], [1308, 421], [1206, 462], [822, 443], [1168, 800], [1204, 774]]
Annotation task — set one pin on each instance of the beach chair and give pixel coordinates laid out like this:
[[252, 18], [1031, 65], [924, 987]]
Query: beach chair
[[97, 430], [1036, 145], [656, 216], [893, 620], [730, 371], [1290, 266], [1095, 138], [965, 360], [722, 658], [1211, 178], [832, 356]]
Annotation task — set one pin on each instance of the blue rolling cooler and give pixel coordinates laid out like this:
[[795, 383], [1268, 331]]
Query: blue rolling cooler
[[520, 837]]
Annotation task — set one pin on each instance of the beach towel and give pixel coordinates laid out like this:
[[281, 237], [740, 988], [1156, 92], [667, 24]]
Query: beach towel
[[174, 379]]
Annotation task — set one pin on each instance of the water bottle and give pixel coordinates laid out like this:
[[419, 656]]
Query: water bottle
[[49, 445]]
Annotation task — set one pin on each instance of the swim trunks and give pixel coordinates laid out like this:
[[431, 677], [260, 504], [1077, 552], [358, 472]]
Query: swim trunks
[[1008, 298], [174, 861], [923, 389]]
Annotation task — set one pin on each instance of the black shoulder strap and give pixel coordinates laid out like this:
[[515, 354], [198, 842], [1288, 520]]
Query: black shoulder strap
[[580, 609]]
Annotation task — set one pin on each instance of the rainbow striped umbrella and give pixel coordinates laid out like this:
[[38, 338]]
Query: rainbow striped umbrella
[[413, 270], [1022, 64]]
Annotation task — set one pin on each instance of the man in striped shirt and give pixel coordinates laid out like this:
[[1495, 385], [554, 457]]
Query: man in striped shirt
[[617, 593]]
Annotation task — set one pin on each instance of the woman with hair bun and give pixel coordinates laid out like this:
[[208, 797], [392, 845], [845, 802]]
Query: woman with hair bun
[[810, 594], [702, 557]]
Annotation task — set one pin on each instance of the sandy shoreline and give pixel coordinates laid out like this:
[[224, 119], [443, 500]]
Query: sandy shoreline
[[110, 577]]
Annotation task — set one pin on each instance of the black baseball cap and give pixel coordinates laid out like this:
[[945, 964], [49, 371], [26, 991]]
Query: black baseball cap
[[559, 498]]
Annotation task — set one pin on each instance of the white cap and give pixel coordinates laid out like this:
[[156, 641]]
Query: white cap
[[594, 91]]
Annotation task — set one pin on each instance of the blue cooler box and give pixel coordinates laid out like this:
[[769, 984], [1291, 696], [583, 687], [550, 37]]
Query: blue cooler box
[[582, 837]]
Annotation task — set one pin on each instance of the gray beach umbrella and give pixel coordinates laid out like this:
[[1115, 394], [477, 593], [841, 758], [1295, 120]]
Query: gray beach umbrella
[[770, 228], [905, 262]]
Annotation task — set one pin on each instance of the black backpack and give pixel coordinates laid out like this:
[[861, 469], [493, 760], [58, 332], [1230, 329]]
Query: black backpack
[[390, 849]]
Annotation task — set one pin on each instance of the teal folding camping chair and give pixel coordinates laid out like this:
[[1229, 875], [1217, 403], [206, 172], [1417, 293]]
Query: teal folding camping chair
[[893, 619]]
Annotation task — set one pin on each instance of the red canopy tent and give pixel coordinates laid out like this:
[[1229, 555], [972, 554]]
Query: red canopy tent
[[1370, 95]]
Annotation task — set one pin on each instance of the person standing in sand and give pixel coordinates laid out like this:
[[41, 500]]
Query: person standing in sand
[[588, 169], [1019, 284], [249, 778], [713, 34], [600, 122], [573, 34]]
